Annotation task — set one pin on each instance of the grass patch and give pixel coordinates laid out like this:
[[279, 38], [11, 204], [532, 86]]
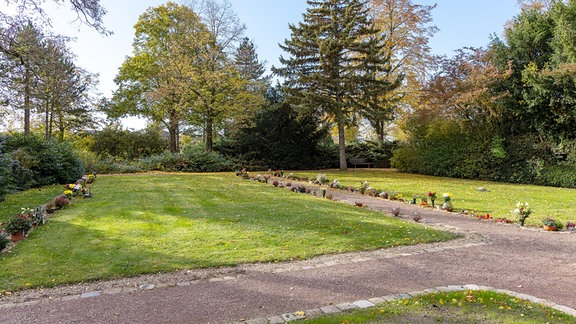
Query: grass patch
[[138, 224], [453, 307], [500, 199], [29, 199]]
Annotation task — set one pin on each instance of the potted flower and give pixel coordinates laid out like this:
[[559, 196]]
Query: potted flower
[[448, 206], [570, 226], [550, 224], [17, 226], [432, 196], [522, 212]]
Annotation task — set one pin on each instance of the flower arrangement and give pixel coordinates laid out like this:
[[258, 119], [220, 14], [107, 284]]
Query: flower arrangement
[[364, 185], [322, 179], [522, 212], [432, 196], [61, 201], [18, 223], [448, 206], [570, 226], [68, 193], [335, 184], [551, 224]]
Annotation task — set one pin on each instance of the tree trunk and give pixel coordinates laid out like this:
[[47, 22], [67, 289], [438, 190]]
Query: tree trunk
[[173, 131], [27, 95], [342, 146], [209, 133]]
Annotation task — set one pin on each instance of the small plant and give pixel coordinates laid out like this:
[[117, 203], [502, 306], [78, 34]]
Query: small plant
[[432, 196], [396, 211], [522, 212], [322, 179], [275, 183], [551, 224], [364, 185], [448, 206], [423, 202], [335, 184], [383, 195], [61, 201], [17, 224], [3, 240], [570, 226]]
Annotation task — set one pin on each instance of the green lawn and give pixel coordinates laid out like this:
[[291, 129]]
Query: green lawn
[[149, 223], [453, 307], [500, 199]]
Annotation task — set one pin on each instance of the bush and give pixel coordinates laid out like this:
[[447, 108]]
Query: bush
[[5, 174], [378, 153], [37, 162], [558, 176]]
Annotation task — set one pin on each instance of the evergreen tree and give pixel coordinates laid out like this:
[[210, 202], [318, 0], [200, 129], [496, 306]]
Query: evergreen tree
[[254, 83], [327, 70]]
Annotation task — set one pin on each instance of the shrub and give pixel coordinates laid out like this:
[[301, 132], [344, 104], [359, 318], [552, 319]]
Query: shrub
[[38, 162], [558, 176], [378, 153]]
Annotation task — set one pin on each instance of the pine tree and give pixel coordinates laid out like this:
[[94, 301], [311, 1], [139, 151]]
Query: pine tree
[[334, 63]]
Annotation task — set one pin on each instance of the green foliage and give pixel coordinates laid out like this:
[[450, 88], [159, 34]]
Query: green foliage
[[126, 144], [558, 176], [5, 172], [38, 162], [279, 138], [335, 62], [378, 153]]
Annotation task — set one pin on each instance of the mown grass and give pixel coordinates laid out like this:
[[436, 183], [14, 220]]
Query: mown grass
[[27, 199], [499, 201], [148, 223], [453, 307]]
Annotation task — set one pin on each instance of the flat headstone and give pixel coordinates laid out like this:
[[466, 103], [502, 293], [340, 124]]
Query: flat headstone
[[362, 304], [90, 294]]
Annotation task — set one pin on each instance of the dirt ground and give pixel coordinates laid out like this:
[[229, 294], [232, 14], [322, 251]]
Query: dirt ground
[[503, 256]]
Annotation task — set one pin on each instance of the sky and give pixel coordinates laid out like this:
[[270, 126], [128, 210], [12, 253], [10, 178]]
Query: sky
[[461, 22]]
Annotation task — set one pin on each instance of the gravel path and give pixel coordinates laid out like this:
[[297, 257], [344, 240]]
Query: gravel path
[[503, 256]]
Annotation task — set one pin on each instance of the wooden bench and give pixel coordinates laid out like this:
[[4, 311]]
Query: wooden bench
[[360, 161]]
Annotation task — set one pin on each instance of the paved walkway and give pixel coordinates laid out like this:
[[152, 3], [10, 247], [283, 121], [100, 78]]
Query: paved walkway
[[527, 261]]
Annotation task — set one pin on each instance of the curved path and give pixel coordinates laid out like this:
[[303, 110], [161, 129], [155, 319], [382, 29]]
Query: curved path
[[503, 256]]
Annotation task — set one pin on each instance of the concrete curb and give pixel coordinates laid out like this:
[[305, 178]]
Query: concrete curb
[[373, 302]]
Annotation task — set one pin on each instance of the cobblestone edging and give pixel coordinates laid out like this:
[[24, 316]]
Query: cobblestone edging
[[373, 302]]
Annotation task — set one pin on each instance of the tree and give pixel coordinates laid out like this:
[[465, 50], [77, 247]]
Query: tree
[[407, 28], [63, 91], [160, 80], [327, 70], [88, 11], [21, 49], [218, 82], [255, 84]]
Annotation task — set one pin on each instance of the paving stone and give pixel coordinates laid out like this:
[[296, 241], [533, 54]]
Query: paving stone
[[330, 309], [346, 306], [147, 287], [183, 283], [443, 289], [257, 321], [432, 291], [71, 297], [314, 312], [90, 294], [362, 304], [565, 309], [215, 280], [418, 293], [227, 278], [289, 317], [276, 320], [377, 300], [112, 291], [472, 287], [456, 288]]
